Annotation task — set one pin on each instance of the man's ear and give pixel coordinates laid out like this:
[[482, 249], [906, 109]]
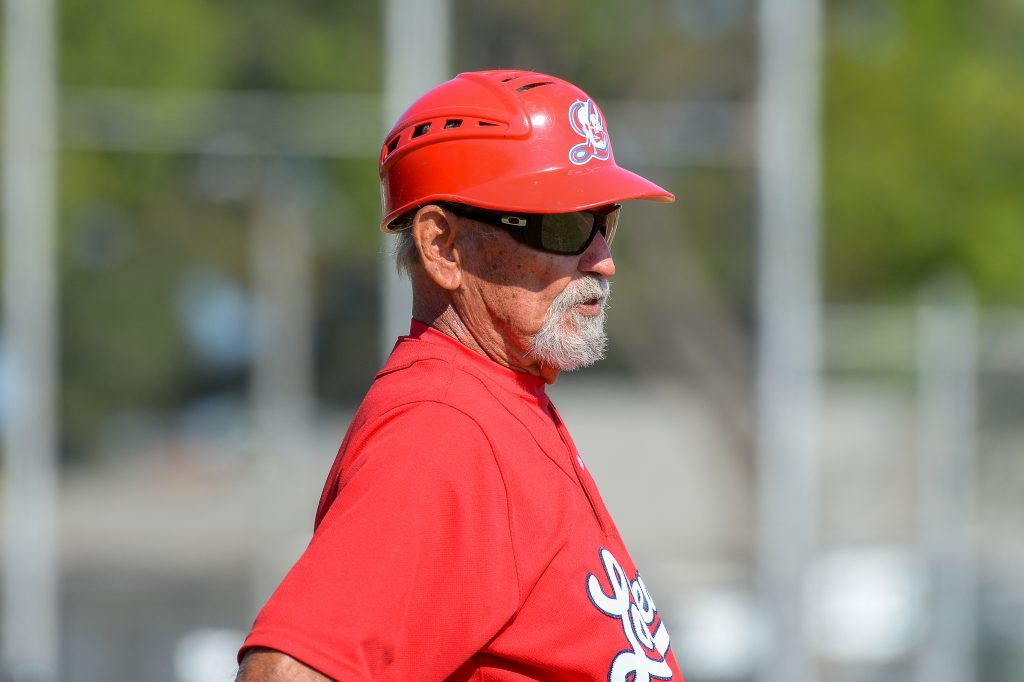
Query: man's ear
[[435, 233]]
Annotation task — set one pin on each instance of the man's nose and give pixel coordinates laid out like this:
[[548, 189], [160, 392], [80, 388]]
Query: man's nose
[[597, 259]]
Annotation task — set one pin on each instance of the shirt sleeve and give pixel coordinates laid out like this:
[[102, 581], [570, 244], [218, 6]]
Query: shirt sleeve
[[412, 570]]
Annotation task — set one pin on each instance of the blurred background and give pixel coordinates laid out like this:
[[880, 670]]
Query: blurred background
[[809, 426]]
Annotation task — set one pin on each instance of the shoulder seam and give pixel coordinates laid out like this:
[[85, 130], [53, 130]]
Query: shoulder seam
[[489, 390]]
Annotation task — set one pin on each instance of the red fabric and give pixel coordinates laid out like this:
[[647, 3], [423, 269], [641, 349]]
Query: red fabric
[[460, 537]]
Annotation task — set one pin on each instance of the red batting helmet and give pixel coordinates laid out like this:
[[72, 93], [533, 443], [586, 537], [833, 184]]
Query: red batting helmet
[[505, 140]]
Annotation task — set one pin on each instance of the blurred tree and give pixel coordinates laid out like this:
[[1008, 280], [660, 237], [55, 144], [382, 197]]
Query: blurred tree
[[924, 147], [924, 151], [134, 226], [147, 44]]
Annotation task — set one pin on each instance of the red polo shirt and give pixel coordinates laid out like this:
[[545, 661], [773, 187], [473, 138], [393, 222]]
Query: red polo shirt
[[460, 537]]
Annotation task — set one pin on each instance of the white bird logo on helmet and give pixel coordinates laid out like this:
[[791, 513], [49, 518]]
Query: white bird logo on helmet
[[587, 121]]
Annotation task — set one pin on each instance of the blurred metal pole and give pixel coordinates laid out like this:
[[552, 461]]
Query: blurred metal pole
[[30, 622], [416, 58], [282, 256], [282, 389], [789, 334], [947, 423]]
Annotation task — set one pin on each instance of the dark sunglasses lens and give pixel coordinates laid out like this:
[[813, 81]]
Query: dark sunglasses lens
[[565, 232]]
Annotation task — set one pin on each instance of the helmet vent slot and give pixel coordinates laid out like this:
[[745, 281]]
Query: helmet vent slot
[[510, 78], [421, 129], [453, 123], [486, 123], [393, 144], [531, 86]]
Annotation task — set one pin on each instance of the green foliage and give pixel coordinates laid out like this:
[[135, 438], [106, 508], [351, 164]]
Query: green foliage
[[127, 238], [924, 147], [134, 225], [259, 44], [924, 152], [306, 45], [142, 44]]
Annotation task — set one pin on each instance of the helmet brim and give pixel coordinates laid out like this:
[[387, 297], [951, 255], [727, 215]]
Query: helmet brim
[[553, 191], [562, 191]]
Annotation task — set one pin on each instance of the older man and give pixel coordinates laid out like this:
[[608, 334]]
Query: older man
[[460, 535]]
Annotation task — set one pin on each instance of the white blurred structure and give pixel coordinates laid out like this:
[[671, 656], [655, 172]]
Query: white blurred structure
[[411, 67], [207, 655], [282, 388], [789, 327], [867, 604], [719, 635], [30, 617], [947, 461]]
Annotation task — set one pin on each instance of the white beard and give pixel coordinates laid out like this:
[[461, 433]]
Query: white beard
[[569, 340]]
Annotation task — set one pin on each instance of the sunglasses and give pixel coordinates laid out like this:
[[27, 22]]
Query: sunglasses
[[567, 234]]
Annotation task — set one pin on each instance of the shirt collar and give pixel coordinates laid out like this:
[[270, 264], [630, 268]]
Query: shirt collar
[[479, 364]]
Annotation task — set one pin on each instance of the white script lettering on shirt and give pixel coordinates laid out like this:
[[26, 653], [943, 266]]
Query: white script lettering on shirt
[[632, 604]]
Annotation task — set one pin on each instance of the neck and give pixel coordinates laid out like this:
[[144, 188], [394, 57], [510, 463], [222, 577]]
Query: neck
[[481, 338]]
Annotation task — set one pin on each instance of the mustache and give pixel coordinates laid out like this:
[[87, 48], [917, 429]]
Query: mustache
[[584, 289]]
